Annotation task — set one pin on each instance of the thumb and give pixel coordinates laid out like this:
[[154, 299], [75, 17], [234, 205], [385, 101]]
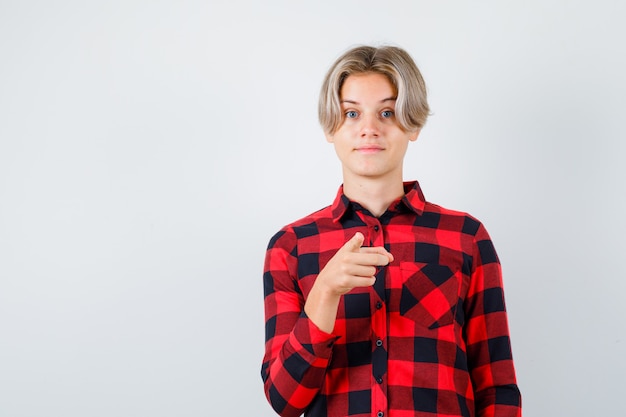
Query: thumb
[[356, 242]]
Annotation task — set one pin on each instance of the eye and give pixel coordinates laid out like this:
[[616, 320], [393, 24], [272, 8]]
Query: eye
[[351, 114], [387, 114]]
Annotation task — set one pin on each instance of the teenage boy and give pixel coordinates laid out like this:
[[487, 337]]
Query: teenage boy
[[384, 304]]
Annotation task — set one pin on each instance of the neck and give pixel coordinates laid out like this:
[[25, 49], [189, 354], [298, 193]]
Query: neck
[[375, 195]]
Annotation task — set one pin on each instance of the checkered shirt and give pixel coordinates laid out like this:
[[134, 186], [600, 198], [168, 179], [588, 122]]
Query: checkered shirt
[[430, 338]]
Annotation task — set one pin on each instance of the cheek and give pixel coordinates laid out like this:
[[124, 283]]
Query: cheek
[[340, 147]]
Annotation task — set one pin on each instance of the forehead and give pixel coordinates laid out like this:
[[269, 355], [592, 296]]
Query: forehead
[[367, 86]]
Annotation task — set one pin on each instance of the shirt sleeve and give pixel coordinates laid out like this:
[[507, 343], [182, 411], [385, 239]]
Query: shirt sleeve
[[297, 352], [488, 343]]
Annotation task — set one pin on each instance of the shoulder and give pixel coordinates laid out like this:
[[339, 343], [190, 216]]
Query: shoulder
[[477, 240], [456, 220], [308, 225]]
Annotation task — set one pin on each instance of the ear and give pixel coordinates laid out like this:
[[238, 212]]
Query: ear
[[413, 135], [330, 138]]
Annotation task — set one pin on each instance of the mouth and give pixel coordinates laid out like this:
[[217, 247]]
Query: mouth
[[369, 149]]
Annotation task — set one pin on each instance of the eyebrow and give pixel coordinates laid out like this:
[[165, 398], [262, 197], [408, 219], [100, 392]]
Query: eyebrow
[[356, 102]]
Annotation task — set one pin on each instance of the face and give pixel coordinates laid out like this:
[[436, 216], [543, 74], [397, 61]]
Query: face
[[369, 142]]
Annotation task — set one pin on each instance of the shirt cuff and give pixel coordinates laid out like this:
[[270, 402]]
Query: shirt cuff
[[307, 337]]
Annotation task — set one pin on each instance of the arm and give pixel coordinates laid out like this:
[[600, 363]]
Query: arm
[[296, 352], [298, 334], [489, 354]]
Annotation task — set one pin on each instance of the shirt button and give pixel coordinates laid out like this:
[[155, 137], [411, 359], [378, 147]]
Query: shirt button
[[379, 305], [376, 228], [379, 380], [379, 342], [380, 414]]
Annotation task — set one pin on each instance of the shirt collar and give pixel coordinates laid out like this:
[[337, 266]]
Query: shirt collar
[[413, 199]]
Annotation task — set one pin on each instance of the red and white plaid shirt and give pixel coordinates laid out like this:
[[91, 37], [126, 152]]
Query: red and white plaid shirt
[[429, 338]]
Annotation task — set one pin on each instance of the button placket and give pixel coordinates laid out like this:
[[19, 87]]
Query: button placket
[[379, 353]]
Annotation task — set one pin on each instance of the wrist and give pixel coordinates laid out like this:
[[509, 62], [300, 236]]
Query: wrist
[[321, 308]]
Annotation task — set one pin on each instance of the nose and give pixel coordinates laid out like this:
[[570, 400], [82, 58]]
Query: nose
[[369, 126]]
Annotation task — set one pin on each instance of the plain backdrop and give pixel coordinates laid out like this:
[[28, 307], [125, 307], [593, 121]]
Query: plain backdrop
[[150, 149]]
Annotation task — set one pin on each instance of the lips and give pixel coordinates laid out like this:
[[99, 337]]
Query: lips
[[369, 149]]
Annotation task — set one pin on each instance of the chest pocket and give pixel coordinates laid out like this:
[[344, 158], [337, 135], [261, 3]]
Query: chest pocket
[[429, 294]]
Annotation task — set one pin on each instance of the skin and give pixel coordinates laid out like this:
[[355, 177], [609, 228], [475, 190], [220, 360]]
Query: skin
[[371, 146]]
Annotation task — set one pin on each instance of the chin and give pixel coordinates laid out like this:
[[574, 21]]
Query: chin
[[370, 174]]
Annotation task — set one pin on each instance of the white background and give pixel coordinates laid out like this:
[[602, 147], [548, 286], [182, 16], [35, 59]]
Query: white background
[[150, 149]]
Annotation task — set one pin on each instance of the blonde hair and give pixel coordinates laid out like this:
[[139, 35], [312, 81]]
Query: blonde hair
[[396, 64]]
